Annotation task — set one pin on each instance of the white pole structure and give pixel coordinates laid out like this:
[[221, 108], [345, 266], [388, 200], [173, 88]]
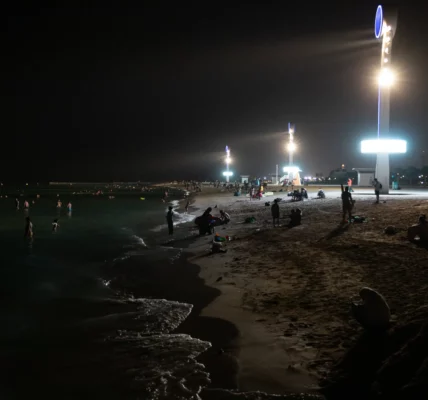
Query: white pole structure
[[227, 163], [291, 148], [386, 78]]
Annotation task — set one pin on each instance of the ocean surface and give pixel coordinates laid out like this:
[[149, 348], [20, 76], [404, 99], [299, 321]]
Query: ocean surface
[[91, 311], [72, 325]]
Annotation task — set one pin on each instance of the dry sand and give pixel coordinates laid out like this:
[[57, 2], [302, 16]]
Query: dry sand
[[288, 291]]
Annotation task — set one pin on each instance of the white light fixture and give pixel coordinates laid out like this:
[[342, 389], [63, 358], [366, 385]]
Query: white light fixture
[[377, 146], [386, 77]]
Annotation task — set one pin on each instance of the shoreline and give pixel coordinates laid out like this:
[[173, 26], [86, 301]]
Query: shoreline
[[261, 365], [288, 339]]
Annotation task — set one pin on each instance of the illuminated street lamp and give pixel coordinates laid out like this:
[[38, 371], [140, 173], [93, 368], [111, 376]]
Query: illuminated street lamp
[[382, 147], [386, 79], [291, 147], [227, 174]]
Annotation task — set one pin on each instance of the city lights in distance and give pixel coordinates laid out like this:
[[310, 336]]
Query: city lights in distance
[[376, 146], [386, 77]]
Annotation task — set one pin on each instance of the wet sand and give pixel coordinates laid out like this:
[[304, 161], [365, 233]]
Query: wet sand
[[288, 291]]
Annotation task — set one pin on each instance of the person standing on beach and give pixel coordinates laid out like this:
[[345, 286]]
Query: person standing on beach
[[377, 186], [275, 213], [17, 203], [186, 208], [347, 204], [169, 215]]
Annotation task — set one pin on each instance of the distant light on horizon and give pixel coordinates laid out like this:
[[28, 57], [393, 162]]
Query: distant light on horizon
[[227, 173], [375, 146]]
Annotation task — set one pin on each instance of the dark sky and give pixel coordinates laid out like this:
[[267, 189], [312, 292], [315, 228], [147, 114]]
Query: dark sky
[[156, 92]]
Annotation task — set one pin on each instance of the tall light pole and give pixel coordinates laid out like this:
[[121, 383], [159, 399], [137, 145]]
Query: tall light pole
[[227, 163], [291, 148], [382, 146], [386, 78]]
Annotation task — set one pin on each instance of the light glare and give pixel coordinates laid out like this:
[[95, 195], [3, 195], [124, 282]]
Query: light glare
[[376, 146], [386, 77], [227, 173], [291, 147], [291, 169]]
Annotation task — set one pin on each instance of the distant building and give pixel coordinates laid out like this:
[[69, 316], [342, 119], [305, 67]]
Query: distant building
[[365, 176], [244, 178]]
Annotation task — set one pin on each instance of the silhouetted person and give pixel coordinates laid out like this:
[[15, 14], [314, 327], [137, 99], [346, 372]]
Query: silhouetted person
[[169, 215], [347, 203], [295, 218], [225, 217], [275, 212], [28, 228], [377, 186], [373, 313], [420, 230]]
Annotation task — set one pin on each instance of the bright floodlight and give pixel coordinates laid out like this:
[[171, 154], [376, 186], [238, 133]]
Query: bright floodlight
[[228, 160], [377, 146], [291, 146], [291, 169], [227, 173], [386, 77]]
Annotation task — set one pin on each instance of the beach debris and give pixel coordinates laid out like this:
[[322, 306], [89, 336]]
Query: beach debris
[[250, 220], [219, 279], [358, 219]]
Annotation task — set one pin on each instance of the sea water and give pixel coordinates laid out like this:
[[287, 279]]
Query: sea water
[[71, 324], [83, 313]]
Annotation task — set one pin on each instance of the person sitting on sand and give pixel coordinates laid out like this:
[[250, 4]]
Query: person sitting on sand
[[321, 194], [225, 217], [373, 313], [304, 193], [295, 218], [420, 230], [275, 213], [206, 222]]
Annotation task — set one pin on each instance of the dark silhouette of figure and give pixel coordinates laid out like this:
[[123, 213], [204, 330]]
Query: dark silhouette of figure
[[169, 215]]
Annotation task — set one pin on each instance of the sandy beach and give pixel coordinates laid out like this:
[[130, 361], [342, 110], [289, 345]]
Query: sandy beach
[[288, 291]]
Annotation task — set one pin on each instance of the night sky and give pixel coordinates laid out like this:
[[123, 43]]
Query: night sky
[[156, 92]]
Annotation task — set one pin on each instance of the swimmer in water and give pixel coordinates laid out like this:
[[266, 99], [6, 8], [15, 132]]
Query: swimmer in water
[[59, 204], [69, 206], [55, 225], [26, 205], [28, 233]]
